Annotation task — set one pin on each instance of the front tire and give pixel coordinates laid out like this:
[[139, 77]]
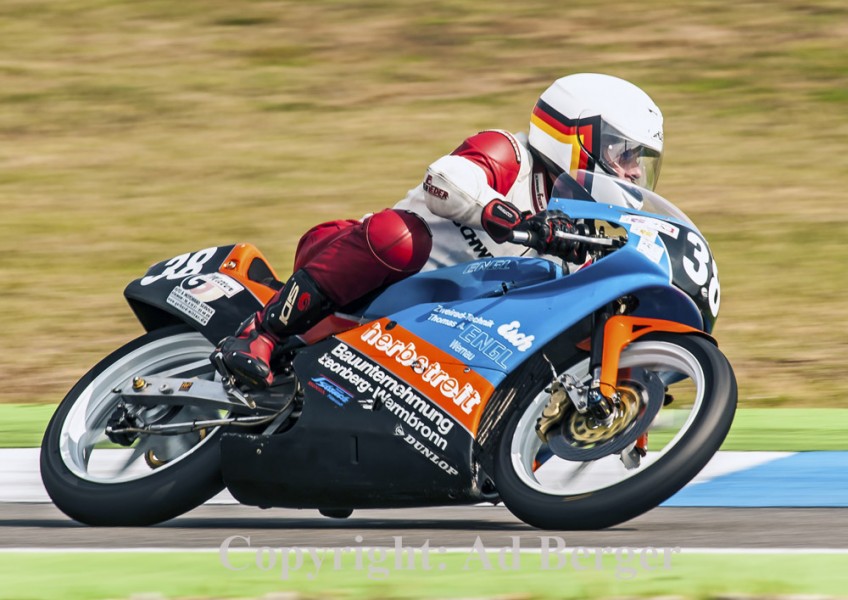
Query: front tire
[[566, 495], [97, 482]]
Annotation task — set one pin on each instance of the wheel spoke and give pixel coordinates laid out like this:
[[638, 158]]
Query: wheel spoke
[[83, 431], [137, 452]]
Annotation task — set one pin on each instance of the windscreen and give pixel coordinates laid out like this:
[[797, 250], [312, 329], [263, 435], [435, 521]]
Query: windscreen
[[606, 189]]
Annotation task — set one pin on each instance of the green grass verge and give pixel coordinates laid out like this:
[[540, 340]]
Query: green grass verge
[[460, 575], [788, 430], [23, 425], [778, 429]]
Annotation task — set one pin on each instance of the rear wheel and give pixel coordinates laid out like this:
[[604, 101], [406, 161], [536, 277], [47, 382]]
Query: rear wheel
[[550, 492], [98, 482]]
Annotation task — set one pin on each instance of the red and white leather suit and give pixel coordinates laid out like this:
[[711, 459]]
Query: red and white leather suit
[[490, 165]]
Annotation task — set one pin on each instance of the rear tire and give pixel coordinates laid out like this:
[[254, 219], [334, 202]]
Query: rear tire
[[165, 489], [595, 506]]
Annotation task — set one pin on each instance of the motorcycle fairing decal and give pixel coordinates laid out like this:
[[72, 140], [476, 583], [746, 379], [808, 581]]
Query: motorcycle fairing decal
[[440, 377], [694, 270], [425, 451], [192, 295], [332, 390], [639, 224], [390, 409], [209, 287], [189, 305], [182, 266], [386, 390]]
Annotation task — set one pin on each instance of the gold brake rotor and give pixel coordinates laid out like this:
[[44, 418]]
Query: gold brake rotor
[[583, 428]]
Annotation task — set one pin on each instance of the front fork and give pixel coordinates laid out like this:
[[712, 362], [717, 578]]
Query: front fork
[[598, 395], [611, 333]]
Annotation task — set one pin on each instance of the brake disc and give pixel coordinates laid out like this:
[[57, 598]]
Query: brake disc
[[580, 438]]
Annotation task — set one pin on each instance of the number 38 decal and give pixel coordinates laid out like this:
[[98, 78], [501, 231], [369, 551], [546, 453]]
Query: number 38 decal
[[697, 262], [184, 265]]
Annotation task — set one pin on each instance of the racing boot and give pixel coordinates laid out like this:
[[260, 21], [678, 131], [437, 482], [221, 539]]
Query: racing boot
[[292, 310]]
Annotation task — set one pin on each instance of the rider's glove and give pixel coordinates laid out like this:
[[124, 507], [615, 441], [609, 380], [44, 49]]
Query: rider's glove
[[501, 218], [544, 226]]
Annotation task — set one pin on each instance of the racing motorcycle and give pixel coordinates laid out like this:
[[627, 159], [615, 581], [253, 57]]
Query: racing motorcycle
[[578, 397]]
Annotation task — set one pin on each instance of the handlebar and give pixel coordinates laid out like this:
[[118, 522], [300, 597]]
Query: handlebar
[[525, 238], [588, 239]]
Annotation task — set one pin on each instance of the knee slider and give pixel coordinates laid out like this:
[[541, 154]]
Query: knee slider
[[399, 239]]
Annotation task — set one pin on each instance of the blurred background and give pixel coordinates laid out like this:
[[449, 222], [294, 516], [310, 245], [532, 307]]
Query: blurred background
[[134, 131]]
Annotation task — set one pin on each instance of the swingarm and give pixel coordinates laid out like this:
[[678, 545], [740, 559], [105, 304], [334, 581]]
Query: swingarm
[[152, 405]]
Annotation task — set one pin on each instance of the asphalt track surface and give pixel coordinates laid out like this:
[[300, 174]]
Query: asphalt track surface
[[42, 526]]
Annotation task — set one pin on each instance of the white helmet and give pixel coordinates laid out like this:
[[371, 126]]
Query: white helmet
[[598, 123]]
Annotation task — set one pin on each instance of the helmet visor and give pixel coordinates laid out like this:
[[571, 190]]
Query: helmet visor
[[627, 159]]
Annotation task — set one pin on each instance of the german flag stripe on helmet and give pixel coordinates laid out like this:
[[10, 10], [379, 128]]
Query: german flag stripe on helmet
[[579, 133]]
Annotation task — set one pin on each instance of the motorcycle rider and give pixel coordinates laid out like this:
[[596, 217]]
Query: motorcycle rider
[[466, 208]]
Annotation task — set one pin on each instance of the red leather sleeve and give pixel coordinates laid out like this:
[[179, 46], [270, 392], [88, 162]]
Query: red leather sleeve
[[496, 152]]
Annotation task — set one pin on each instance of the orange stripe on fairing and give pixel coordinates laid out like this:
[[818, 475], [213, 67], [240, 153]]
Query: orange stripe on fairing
[[237, 264], [438, 376]]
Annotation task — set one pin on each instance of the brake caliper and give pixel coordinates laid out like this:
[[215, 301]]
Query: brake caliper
[[553, 412]]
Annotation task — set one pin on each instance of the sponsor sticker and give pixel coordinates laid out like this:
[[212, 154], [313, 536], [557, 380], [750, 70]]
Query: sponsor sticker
[[502, 264], [344, 370], [186, 303], [212, 286], [388, 390], [649, 235], [424, 419], [336, 393], [428, 370], [424, 451], [452, 318], [511, 334], [650, 249], [639, 222], [474, 339]]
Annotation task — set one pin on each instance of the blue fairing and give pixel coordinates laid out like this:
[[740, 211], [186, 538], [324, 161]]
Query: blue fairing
[[466, 281], [492, 314]]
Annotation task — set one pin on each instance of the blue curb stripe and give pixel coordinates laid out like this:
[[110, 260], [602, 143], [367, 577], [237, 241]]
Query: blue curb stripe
[[804, 480]]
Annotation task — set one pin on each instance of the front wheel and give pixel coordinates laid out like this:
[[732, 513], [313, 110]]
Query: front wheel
[[548, 492], [98, 482]]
